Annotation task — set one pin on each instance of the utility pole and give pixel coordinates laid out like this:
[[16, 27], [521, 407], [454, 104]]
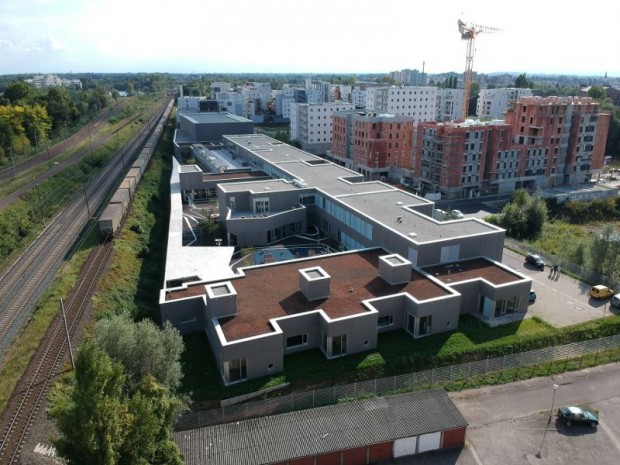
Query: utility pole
[[49, 157], [87, 206], [12, 161], [64, 319]]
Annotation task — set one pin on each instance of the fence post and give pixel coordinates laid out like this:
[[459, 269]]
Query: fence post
[[313, 404]]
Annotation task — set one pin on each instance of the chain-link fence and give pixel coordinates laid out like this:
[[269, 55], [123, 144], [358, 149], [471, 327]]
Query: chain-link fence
[[382, 386], [579, 271]]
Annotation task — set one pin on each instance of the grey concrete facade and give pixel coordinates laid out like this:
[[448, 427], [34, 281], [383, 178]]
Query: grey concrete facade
[[336, 303]]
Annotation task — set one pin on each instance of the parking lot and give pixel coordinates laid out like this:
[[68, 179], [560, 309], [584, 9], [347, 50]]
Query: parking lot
[[509, 424]]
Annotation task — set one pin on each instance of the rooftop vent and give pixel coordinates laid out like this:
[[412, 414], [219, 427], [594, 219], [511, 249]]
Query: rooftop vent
[[314, 283], [221, 300], [394, 269]]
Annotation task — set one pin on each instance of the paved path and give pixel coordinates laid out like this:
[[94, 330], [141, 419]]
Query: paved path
[[561, 301]]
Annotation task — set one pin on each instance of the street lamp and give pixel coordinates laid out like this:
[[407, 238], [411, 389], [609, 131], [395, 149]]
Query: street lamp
[[555, 388]]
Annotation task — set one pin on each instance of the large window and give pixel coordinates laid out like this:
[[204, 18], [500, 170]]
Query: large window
[[261, 205], [419, 326], [334, 346], [296, 341], [236, 370], [385, 321]]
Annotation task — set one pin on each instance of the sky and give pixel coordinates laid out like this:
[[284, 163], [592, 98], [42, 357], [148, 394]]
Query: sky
[[316, 36]]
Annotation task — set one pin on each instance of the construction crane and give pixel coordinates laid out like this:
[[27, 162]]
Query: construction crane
[[469, 32]]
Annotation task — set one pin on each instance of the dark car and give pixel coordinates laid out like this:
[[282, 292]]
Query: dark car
[[535, 260], [532, 298], [572, 415]]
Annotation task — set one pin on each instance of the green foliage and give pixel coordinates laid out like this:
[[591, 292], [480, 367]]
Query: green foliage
[[20, 91], [90, 414], [587, 212], [597, 92], [605, 251], [523, 82], [104, 419], [525, 215], [142, 349]]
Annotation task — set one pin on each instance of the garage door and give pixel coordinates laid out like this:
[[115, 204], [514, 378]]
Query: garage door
[[405, 446], [429, 441]]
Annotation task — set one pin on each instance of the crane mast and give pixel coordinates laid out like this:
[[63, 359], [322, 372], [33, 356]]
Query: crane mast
[[469, 32]]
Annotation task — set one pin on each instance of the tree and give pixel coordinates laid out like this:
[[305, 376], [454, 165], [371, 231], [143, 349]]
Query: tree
[[90, 415], [20, 92], [112, 413], [605, 251], [522, 82], [149, 440], [60, 107], [525, 215], [474, 93], [142, 348], [597, 92]]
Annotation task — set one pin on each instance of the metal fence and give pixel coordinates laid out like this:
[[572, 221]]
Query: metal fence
[[581, 272], [382, 386]]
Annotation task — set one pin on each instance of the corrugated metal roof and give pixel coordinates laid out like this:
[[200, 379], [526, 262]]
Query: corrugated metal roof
[[320, 430]]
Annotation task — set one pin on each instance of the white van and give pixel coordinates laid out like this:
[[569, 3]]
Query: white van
[[439, 214]]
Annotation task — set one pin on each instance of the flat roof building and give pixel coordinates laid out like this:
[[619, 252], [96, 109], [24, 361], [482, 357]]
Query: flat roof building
[[404, 269]]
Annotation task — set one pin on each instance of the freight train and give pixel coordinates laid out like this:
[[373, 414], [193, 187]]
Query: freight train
[[116, 210]]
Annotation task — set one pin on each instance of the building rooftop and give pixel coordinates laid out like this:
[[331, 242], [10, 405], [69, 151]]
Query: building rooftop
[[389, 207], [477, 268], [304, 433], [374, 199], [272, 291], [214, 118], [198, 263]]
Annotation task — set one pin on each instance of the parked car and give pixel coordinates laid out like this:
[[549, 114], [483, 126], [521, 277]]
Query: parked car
[[535, 260], [457, 214], [615, 300], [532, 298], [573, 415], [601, 292]]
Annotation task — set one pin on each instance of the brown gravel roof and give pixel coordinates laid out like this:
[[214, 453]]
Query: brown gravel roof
[[472, 269], [268, 292]]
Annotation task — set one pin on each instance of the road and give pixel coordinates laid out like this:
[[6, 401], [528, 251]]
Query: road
[[509, 424]]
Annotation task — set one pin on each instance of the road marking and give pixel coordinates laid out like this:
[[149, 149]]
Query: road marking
[[614, 439], [474, 454]]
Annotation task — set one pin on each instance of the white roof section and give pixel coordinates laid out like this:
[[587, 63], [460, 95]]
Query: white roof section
[[394, 209], [374, 199], [205, 263]]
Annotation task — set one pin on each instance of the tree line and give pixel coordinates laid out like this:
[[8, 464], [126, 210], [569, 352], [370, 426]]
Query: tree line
[[29, 117]]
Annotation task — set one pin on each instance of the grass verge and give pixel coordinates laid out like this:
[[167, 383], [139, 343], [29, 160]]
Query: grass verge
[[20, 353]]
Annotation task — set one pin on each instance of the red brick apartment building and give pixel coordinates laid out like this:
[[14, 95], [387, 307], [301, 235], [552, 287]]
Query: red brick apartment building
[[372, 143], [543, 142]]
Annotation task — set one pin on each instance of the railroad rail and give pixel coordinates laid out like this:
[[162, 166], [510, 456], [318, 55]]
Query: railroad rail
[[51, 354], [36, 264], [23, 283]]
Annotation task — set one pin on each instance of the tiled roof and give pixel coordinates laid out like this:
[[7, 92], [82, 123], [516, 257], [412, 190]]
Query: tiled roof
[[320, 430]]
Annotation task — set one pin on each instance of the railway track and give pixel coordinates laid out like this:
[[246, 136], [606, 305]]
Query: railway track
[[22, 284], [40, 262], [49, 358]]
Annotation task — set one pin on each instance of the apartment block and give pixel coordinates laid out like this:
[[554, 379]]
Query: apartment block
[[418, 102], [493, 103], [449, 104], [543, 142], [311, 124], [371, 143], [259, 93]]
